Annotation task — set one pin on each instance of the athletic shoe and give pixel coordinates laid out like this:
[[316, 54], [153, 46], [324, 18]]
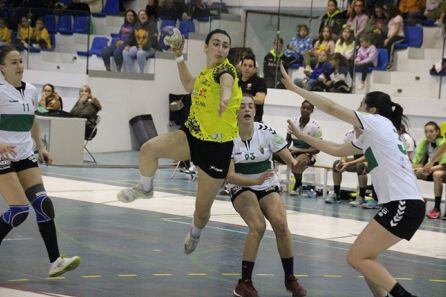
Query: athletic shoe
[[245, 288], [190, 243], [370, 204], [292, 285], [433, 214], [294, 192], [357, 202], [130, 195], [332, 198], [62, 265], [309, 193]]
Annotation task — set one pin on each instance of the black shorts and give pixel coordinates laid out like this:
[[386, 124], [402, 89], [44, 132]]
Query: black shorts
[[7, 166], [237, 190], [212, 157], [402, 218]]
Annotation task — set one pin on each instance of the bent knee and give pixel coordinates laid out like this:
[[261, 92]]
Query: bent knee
[[257, 228], [439, 174], [280, 226], [15, 215]]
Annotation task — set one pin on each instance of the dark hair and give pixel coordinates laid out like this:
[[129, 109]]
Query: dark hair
[[334, 1], [385, 107], [351, 39], [300, 26], [49, 85], [216, 31], [392, 10], [432, 123], [280, 40], [321, 36], [339, 60], [4, 51], [135, 16], [353, 10], [307, 102], [367, 37], [249, 57]]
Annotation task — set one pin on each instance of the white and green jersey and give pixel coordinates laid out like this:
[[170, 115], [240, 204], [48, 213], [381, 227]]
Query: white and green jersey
[[253, 157], [312, 128], [388, 163], [17, 117]]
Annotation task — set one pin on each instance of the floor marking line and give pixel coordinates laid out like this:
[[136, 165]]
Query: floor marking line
[[301, 275], [403, 278], [197, 274], [230, 274], [264, 274], [127, 275], [332, 276], [92, 276], [438, 280], [19, 280], [161, 274], [55, 278]]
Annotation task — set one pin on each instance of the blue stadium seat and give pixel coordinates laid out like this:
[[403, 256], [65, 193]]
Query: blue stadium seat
[[80, 24], [428, 23], [187, 27], [113, 41], [111, 7], [383, 60], [113, 35], [65, 24], [413, 37], [96, 47], [167, 22], [50, 23], [294, 66]]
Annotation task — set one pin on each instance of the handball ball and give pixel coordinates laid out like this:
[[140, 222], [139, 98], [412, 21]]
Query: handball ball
[[170, 37]]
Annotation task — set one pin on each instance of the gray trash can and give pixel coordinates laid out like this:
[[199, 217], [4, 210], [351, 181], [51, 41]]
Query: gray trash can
[[143, 129]]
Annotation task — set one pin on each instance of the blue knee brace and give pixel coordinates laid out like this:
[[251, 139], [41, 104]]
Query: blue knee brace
[[41, 203], [15, 215]]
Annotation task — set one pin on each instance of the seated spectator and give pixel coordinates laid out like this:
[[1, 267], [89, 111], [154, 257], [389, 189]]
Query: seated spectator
[[40, 37], [299, 44], [412, 11], [366, 57], [395, 30], [408, 141], [252, 84], [302, 151], [435, 10], [200, 9], [140, 45], [317, 77], [424, 152], [325, 43], [358, 19], [334, 18], [87, 107], [50, 100], [346, 43], [92, 6], [24, 33], [5, 33], [271, 62], [377, 26], [340, 80], [356, 163], [172, 10], [124, 34]]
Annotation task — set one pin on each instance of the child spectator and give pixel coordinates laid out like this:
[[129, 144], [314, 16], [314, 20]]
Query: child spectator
[[346, 43], [318, 76], [366, 57], [395, 30], [358, 19], [50, 100], [87, 107], [340, 80], [299, 44], [377, 26], [271, 62], [325, 43], [435, 10], [424, 152], [40, 37], [116, 50], [5, 33], [334, 18], [412, 11], [24, 33]]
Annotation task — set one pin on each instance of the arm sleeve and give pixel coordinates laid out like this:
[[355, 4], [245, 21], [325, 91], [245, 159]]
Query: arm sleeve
[[222, 69], [276, 142]]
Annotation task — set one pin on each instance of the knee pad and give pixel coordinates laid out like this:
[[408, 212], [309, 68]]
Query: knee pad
[[15, 215], [42, 204], [361, 169]]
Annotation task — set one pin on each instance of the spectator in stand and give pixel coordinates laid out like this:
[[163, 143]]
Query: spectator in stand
[[24, 33], [93, 6], [408, 141], [172, 10], [340, 80], [50, 100], [366, 57], [87, 107], [317, 78], [346, 43], [412, 11], [116, 50], [140, 45], [358, 19], [435, 10], [40, 37], [5, 33], [299, 44], [423, 154], [395, 31], [377, 26], [334, 18], [200, 9], [152, 8], [271, 63], [325, 43], [252, 84]]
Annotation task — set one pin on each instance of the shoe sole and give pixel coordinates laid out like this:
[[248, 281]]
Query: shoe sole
[[235, 294], [73, 265]]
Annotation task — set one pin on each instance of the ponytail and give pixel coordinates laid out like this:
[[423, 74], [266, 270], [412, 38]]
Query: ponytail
[[397, 115], [386, 107]]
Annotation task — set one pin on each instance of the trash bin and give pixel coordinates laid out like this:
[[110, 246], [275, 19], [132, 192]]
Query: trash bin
[[143, 129]]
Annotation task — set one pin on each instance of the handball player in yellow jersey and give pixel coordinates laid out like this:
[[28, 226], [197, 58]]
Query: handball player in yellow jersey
[[207, 136]]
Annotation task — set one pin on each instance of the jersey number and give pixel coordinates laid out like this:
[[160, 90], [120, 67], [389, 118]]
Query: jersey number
[[250, 156], [25, 106]]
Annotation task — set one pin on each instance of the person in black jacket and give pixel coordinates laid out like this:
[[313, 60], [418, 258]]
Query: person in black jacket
[[87, 107], [334, 18], [271, 63]]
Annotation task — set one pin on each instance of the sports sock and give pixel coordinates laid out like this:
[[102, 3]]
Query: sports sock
[[337, 190], [49, 236], [288, 266], [194, 231], [374, 195], [362, 192], [247, 268], [399, 291], [298, 178], [146, 182], [437, 202]]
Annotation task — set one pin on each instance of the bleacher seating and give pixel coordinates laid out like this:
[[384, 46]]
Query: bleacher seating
[[167, 22], [50, 23], [80, 24], [186, 27], [383, 60], [413, 37], [65, 24], [111, 7], [96, 47]]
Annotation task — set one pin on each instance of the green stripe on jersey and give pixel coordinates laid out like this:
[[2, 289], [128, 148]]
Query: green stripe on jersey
[[16, 122], [253, 168], [300, 144]]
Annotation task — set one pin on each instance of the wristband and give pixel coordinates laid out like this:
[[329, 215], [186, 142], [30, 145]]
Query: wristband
[[179, 59]]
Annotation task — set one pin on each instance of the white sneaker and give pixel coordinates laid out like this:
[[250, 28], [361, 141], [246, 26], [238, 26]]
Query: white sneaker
[[293, 193], [357, 202], [130, 195], [62, 265], [190, 243]]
